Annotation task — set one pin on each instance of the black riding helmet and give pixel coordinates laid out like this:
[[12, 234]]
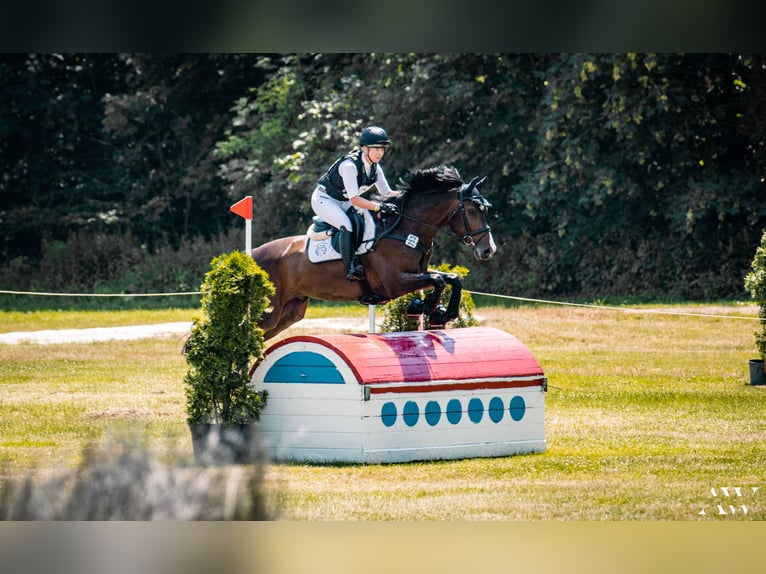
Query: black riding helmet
[[374, 136]]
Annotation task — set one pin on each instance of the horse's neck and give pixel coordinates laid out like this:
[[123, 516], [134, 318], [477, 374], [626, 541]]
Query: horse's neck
[[433, 215]]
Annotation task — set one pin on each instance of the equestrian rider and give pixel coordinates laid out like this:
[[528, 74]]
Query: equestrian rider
[[340, 188]]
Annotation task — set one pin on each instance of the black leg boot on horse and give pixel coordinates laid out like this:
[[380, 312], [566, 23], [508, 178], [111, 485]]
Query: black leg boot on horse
[[354, 272]]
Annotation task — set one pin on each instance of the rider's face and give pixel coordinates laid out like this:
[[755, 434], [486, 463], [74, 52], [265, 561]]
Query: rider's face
[[374, 154]]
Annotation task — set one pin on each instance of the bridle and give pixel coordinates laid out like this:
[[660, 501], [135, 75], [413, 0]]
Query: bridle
[[467, 192], [471, 192]]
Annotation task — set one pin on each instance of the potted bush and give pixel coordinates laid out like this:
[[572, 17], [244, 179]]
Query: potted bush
[[221, 405], [396, 318], [755, 283]]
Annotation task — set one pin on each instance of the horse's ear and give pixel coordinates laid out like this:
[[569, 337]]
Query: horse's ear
[[472, 184], [476, 192]]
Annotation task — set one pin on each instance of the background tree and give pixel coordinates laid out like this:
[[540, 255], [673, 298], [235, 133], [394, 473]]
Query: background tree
[[55, 164], [610, 174], [162, 132]]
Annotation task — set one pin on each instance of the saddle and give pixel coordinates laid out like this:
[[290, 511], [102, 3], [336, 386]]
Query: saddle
[[323, 245], [320, 230]]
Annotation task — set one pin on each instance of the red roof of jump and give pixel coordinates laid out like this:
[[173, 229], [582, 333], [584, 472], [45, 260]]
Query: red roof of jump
[[418, 356]]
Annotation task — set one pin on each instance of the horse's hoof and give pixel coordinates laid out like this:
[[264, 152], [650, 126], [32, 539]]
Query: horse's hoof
[[416, 307], [438, 317]]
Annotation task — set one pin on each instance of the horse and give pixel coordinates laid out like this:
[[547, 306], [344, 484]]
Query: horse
[[397, 261]]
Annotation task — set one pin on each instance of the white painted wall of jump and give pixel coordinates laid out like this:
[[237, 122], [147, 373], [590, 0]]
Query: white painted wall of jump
[[399, 397]]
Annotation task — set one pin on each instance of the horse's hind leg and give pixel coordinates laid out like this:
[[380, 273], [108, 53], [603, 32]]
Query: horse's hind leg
[[292, 312], [270, 319]]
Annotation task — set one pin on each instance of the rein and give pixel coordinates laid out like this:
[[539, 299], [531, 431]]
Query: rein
[[466, 192]]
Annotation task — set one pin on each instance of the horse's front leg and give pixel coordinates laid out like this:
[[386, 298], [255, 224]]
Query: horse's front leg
[[453, 306], [431, 305], [411, 282], [438, 315]]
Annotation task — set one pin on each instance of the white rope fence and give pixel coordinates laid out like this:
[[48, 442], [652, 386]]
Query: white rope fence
[[3, 292], [609, 308], [525, 299]]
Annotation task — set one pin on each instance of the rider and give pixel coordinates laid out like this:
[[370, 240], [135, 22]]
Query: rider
[[340, 186]]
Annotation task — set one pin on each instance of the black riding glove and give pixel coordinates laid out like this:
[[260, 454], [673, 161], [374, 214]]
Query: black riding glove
[[387, 208]]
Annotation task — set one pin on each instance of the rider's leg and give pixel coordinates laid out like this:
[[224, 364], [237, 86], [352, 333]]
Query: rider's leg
[[333, 212], [346, 243]]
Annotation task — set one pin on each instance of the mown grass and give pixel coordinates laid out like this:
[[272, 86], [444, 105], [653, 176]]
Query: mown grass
[[11, 321], [645, 414]]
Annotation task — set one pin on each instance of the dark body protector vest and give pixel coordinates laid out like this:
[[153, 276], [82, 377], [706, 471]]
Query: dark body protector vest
[[333, 182]]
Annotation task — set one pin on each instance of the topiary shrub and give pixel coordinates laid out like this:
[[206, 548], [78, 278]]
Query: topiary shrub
[[755, 283], [395, 316], [222, 344]]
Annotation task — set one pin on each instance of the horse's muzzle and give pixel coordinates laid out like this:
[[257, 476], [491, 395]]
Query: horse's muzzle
[[485, 249]]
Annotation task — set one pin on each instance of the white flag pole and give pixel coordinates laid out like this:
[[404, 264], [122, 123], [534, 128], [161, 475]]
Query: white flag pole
[[244, 208], [371, 312]]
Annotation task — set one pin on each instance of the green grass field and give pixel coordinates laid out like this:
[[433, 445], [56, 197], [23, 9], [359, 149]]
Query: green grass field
[[648, 417]]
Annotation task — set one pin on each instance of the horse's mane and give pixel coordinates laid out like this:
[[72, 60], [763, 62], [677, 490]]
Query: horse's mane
[[431, 179]]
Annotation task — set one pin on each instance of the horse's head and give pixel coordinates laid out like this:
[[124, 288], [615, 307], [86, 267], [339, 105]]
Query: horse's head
[[472, 224], [429, 201]]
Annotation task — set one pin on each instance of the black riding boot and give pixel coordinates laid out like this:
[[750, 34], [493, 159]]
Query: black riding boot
[[346, 243]]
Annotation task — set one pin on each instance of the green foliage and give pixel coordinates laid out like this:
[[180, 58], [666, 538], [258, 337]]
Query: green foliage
[[114, 264], [395, 316], [596, 162], [755, 283], [57, 175], [221, 345], [279, 144], [609, 174]]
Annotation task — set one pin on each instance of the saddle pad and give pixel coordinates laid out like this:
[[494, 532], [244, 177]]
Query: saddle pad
[[321, 251]]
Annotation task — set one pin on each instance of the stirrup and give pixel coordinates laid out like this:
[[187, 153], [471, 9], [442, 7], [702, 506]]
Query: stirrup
[[356, 275]]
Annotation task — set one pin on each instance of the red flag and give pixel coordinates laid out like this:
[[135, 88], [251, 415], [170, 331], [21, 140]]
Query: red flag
[[244, 207]]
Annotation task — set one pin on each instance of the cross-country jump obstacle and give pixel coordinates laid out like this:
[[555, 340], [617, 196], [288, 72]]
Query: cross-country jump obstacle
[[393, 397], [399, 397]]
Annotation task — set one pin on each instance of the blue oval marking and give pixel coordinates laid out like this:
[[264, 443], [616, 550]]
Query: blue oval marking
[[388, 414], [454, 411], [433, 413], [411, 413], [475, 410], [517, 408], [496, 409], [304, 367]]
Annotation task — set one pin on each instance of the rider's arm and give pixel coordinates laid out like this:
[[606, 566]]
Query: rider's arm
[[347, 171], [383, 186]]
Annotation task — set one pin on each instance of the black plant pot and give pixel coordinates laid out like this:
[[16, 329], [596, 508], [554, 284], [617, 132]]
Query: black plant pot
[[757, 374], [224, 444]]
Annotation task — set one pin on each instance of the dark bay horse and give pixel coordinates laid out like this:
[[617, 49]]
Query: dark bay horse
[[396, 265]]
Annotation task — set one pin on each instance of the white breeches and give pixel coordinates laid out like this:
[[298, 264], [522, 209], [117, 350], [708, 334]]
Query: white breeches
[[331, 210]]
